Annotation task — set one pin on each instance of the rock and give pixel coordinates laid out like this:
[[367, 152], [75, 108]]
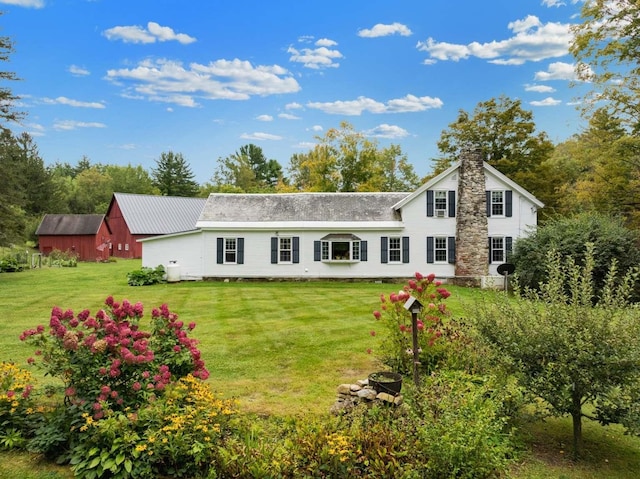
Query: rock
[[344, 389], [368, 394], [386, 397], [362, 382], [355, 387]]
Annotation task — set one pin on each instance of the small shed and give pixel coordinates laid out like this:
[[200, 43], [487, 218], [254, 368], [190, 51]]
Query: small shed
[[87, 236]]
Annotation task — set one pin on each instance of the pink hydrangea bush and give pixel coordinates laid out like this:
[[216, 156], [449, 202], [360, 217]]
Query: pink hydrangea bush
[[395, 328], [108, 362]]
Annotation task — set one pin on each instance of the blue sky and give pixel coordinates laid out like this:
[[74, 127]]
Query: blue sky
[[123, 81]]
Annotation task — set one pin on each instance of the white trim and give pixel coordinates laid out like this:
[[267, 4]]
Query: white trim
[[302, 225]]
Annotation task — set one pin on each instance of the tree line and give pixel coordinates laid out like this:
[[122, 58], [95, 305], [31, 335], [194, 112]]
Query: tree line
[[596, 170]]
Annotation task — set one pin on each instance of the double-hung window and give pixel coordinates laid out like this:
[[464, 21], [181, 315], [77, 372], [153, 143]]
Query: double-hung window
[[441, 249], [230, 250], [500, 203], [500, 248], [395, 250], [285, 249], [440, 203], [497, 203]]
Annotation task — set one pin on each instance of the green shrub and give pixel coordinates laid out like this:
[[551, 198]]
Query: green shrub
[[146, 276], [64, 259], [19, 414], [463, 424], [10, 265]]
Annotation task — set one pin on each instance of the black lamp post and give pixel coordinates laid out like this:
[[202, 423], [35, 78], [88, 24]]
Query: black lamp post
[[415, 306]]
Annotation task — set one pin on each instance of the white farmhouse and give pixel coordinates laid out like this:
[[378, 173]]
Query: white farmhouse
[[460, 226]]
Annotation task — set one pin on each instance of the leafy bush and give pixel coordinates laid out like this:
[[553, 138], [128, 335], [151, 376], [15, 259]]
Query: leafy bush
[[569, 237], [146, 276], [567, 349], [464, 424], [19, 415], [65, 259], [10, 265], [108, 365], [173, 436]]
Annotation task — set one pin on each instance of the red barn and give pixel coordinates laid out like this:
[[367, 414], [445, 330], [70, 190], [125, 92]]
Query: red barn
[[87, 236], [132, 217]]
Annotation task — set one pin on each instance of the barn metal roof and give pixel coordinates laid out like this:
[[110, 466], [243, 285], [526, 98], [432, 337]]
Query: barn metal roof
[[301, 207], [69, 225], [159, 215]]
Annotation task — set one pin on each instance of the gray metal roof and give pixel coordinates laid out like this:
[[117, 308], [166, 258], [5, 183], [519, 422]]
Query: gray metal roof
[[159, 215], [301, 207], [67, 225]]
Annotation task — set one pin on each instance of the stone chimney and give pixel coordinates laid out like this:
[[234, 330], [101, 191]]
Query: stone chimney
[[472, 250]]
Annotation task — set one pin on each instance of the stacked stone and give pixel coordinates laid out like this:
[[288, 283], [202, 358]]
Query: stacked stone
[[472, 249], [350, 395]]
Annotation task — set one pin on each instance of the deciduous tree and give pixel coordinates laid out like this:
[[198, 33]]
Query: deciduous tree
[[567, 350], [507, 136], [606, 46]]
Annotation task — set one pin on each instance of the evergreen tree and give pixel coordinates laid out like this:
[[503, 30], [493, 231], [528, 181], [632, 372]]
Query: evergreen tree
[[173, 176]]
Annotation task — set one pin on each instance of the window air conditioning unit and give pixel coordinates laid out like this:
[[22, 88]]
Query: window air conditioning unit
[[440, 213]]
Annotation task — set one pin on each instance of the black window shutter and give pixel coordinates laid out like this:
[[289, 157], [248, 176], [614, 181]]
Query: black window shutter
[[240, 252], [274, 250], [405, 249], [316, 251], [384, 249], [488, 203], [508, 199], [489, 249], [430, 201], [220, 250], [430, 248], [363, 251], [452, 204], [508, 245], [451, 249], [296, 249]]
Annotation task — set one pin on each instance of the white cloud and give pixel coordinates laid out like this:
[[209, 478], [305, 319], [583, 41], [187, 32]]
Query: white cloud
[[293, 106], [546, 102], [382, 30], [532, 41], [154, 32], [63, 100], [288, 116], [25, 3], [554, 3], [317, 128], [172, 82], [325, 42], [75, 70], [387, 131], [539, 88], [305, 145], [259, 136], [74, 125], [557, 71], [316, 58], [264, 118], [409, 103]]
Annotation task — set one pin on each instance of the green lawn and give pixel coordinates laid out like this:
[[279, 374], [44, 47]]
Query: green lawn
[[280, 348]]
